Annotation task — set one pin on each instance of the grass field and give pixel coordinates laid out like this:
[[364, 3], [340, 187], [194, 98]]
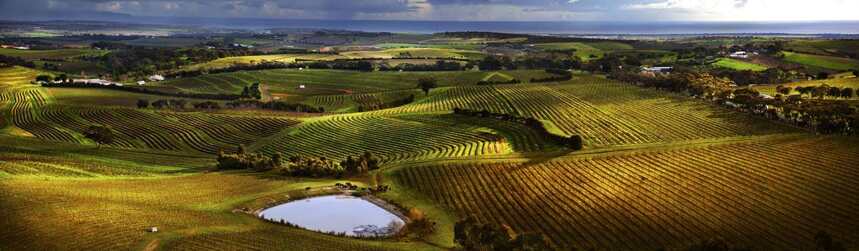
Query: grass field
[[739, 65], [192, 213], [586, 51], [823, 47], [826, 62]]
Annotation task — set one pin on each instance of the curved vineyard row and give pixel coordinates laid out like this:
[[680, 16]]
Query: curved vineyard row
[[763, 195], [665, 116], [195, 132], [390, 138]]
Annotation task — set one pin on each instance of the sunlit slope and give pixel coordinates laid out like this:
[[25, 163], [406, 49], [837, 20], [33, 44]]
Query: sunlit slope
[[747, 193]]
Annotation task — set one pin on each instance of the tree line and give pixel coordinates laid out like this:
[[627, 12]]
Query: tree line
[[818, 115], [298, 166], [275, 105], [573, 142], [822, 91], [562, 75]]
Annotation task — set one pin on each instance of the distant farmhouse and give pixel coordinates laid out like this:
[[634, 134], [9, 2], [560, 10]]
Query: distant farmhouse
[[658, 69], [739, 54], [96, 82], [156, 78]]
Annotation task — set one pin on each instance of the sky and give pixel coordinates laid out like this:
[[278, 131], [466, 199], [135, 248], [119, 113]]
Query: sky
[[449, 10]]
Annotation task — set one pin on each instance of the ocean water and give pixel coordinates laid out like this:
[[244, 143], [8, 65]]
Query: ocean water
[[567, 27]]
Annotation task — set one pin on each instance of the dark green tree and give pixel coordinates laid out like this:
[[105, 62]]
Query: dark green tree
[[100, 134], [847, 92], [825, 242], [142, 103], [427, 84], [575, 142], [43, 78]]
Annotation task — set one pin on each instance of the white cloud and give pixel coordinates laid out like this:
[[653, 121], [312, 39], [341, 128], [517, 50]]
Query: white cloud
[[755, 10]]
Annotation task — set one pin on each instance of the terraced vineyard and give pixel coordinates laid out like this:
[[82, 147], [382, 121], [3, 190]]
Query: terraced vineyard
[[604, 112], [391, 138], [749, 192], [658, 170]]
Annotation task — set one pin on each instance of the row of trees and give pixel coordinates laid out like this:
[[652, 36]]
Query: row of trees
[[508, 82], [574, 142], [821, 91], [275, 105], [252, 91], [440, 65], [692, 82], [562, 75], [360, 164], [473, 235], [822, 116], [298, 166], [747, 77], [6, 61]]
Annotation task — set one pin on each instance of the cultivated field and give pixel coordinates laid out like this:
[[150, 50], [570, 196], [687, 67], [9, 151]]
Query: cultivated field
[[659, 170], [746, 192]]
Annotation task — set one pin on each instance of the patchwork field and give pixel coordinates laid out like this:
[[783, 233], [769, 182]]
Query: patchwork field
[[826, 62], [415, 53], [322, 82], [586, 51], [280, 58], [658, 170]]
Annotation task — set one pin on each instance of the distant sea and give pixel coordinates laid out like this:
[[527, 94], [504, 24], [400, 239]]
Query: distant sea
[[566, 27]]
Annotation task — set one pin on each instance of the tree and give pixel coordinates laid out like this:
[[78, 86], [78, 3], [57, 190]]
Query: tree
[[473, 235], [834, 92], [142, 103], [824, 242], [61, 78], [847, 92], [783, 90], [426, 84], [575, 142], [43, 78], [99, 134], [419, 225], [160, 103], [531, 241]]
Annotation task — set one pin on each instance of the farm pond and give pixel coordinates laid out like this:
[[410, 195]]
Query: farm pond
[[345, 214]]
